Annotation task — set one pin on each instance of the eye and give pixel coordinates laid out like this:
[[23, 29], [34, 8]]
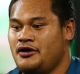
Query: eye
[[16, 27], [38, 26]]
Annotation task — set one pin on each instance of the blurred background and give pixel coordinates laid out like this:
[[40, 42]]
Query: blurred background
[[6, 60]]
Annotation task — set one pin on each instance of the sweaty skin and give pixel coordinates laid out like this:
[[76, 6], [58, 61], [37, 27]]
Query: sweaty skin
[[34, 25]]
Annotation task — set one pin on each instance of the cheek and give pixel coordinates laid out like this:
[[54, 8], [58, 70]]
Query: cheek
[[51, 43], [12, 40], [51, 47]]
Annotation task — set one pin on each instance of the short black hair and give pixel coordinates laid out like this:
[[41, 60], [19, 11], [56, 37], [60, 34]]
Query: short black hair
[[62, 8]]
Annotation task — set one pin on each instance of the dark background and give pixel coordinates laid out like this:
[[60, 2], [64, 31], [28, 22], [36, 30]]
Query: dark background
[[76, 42]]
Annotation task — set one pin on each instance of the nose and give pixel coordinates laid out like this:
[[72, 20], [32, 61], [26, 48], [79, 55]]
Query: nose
[[26, 35]]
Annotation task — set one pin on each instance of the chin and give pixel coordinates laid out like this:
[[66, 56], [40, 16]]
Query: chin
[[27, 65], [30, 69]]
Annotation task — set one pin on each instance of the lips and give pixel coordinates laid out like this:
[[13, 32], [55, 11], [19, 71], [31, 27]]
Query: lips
[[26, 51]]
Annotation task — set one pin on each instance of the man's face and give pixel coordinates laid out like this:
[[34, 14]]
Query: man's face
[[35, 36]]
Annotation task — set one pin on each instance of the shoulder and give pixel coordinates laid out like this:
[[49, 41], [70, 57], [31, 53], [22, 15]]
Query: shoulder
[[14, 71], [77, 64], [76, 60], [74, 66]]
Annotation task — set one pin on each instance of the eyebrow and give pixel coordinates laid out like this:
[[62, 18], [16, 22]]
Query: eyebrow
[[15, 20], [38, 18], [32, 18]]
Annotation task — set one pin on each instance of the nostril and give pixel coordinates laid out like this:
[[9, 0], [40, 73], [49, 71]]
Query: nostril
[[25, 40]]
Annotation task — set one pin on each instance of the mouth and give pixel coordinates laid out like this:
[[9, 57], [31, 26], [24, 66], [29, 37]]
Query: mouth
[[26, 52]]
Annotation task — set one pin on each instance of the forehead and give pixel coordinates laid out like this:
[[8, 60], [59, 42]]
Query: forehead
[[34, 3], [32, 6]]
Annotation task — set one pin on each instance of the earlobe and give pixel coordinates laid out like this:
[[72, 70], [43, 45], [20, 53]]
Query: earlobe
[[70, 29]]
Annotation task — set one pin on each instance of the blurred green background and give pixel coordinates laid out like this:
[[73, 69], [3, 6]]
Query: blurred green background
[[6, 60]]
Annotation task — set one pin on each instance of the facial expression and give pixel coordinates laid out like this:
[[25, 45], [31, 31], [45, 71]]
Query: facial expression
[[35, 36]]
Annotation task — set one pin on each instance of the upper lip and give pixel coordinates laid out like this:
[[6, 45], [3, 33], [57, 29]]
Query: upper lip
[[26, 48]]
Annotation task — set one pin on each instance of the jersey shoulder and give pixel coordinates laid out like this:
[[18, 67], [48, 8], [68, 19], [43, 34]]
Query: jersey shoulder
[[14, 71], [74, 66]]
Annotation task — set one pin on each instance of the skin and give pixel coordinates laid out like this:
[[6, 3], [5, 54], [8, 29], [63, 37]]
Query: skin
[[34, 24]]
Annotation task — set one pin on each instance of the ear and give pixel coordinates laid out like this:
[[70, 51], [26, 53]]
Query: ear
[[69, 29]]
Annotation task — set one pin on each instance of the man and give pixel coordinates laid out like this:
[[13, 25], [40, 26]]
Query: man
[[40, 34]]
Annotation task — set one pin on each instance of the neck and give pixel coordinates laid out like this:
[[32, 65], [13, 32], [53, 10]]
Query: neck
[[63, 65]]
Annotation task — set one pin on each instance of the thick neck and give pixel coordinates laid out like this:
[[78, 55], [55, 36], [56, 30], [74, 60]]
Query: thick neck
[[63, 66]]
